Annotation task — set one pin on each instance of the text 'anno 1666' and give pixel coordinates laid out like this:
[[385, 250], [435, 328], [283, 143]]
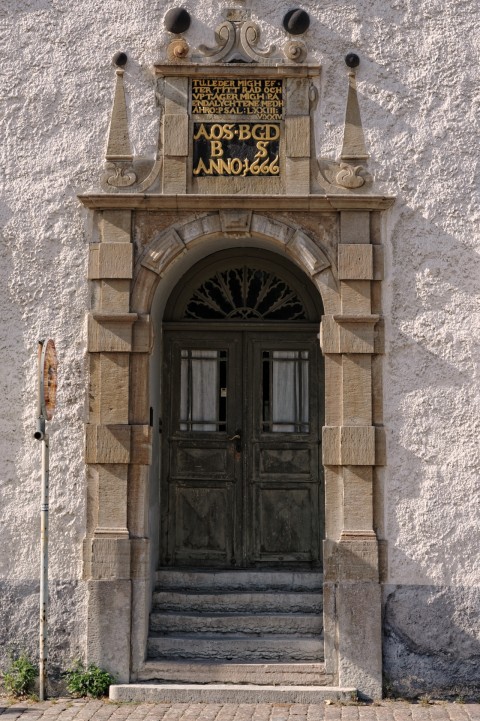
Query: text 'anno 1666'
[[241, 149]]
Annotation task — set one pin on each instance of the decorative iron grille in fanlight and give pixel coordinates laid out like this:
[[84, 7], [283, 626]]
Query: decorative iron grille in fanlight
[[242, 294]]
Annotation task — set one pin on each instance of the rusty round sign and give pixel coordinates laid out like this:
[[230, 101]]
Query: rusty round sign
[[48, 379]]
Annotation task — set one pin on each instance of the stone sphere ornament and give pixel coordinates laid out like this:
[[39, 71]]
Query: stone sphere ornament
[[352, 60], [120, 59], [177, 20], [296, 22]]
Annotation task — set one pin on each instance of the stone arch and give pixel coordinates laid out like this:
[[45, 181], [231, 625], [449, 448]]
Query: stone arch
[[157, 259]]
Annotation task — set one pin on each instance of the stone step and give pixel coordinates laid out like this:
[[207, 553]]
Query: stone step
[[240, 602], [228, 693], [236, 647], [261, 623], [267, 674], [238, 580]]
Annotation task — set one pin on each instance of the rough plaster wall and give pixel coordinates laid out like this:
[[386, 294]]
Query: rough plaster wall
[[419, 101]]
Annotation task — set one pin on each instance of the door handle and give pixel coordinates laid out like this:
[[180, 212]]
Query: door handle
[[237, 437]]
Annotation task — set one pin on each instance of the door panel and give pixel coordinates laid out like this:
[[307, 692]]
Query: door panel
[[241, 481], [204, 517], [286, 529], [211, 460], [201, 495], [283, 476], [293, 460]]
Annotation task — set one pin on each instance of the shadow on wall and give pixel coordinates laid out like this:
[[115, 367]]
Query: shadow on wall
[[430, 401], [431, 633], [30, 6], [19, 622], [431, 641]]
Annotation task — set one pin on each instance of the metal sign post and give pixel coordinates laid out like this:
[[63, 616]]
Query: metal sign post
[[47, 388]]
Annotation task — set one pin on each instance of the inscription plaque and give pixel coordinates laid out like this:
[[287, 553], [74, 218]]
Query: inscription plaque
[[238, 96], [237, 149]]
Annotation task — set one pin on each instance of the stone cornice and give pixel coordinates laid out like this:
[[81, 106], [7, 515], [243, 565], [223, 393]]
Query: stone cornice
[[233, 70], [279, 203]]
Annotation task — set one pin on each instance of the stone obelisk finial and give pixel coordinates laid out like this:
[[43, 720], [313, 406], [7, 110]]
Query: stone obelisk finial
[[354, 151], [119, 155]]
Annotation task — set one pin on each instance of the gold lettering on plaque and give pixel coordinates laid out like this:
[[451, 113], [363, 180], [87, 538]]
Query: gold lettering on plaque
[[247, 149], [238, 96]]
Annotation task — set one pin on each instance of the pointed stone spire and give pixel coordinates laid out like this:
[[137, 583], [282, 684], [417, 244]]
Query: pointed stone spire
[[353, 139], [118, 146], [119, 172]]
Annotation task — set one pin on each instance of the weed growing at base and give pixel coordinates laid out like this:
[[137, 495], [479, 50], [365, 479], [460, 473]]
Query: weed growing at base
[[20, 676], [91, 681]]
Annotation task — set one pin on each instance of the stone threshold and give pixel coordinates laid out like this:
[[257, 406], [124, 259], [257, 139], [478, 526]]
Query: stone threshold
[[227, 693]]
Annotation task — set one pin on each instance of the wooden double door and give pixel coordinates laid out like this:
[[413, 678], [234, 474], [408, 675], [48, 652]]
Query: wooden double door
[[242, 481]]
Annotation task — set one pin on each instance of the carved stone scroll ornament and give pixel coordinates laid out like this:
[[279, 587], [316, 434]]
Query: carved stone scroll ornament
[[295, 50], [236, 41], [118, 174], [249, 39], [349, 176]]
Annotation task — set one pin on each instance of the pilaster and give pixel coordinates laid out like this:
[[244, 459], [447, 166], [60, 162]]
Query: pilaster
[[349, 341], [117, 441]]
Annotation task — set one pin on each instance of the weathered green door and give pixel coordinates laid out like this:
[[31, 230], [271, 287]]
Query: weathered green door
[[242, 483]]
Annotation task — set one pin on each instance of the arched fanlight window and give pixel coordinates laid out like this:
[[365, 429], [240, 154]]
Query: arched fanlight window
[[244, 293], [244, 285]]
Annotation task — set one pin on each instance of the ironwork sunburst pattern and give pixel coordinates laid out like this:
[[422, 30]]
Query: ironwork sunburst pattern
[[244, 293]]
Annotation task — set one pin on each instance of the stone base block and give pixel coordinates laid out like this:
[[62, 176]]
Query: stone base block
[[108, 621], [359, 622], [141, 600]]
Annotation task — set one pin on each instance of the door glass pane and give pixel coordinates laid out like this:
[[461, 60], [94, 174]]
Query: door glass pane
[[285, 391], [203, 392]]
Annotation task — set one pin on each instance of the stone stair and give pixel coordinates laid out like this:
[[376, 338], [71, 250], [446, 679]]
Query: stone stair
[[241, 635], [232, 626]]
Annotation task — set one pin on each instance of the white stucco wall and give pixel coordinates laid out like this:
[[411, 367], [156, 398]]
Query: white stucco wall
[[419, 99]]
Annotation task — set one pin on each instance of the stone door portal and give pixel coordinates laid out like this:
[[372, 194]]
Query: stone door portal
[[224, 343], [242, 484]]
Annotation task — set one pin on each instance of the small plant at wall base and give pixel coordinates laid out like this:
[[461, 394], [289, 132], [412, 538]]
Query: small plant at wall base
[[19, 678], [91, 681]]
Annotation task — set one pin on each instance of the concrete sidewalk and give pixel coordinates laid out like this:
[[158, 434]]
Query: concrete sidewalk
[[85, 710]]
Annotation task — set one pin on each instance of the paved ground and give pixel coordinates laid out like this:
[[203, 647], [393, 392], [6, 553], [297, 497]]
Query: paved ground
[[73, 710]]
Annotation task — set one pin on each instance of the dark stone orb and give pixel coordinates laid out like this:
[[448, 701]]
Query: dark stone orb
[[177, 20], [352, 60], [296, 22], [120, 59]]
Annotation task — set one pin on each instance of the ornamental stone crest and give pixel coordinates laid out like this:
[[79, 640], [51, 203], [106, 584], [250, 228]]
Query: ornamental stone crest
[[237, 116]]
